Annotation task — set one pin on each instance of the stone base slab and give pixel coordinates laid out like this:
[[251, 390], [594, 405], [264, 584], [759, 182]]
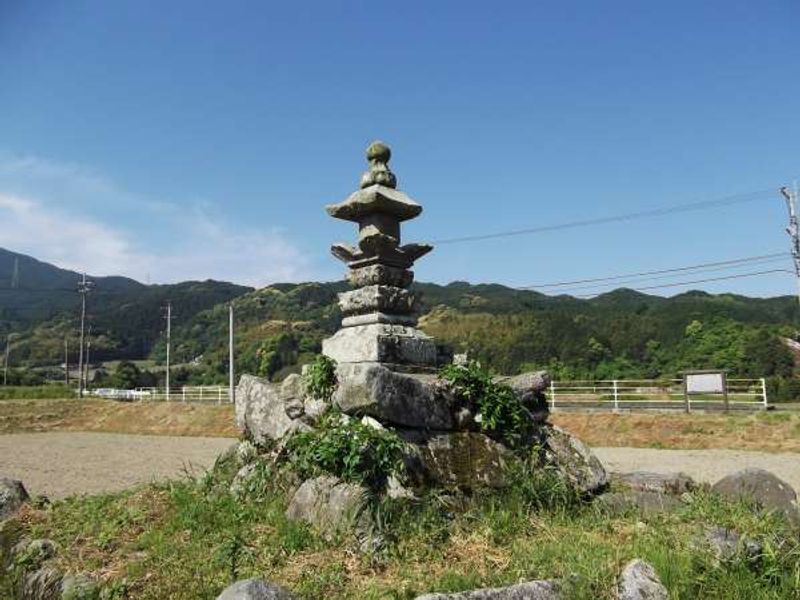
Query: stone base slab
[[381, 343], [393, 398]]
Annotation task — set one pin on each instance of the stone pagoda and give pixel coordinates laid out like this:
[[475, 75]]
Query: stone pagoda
[[380, 314]]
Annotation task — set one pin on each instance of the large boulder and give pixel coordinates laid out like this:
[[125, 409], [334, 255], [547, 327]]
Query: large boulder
[[266, 412], [330, 505], [254, 589], [763, 488], [12, 496], [531, 590], [393, 398], [573, 460], [530, 388], [639, 581], [464, 459]]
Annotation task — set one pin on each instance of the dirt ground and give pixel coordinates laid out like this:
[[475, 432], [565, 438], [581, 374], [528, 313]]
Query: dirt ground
[[703, 465], [65, 447], [59, 464]]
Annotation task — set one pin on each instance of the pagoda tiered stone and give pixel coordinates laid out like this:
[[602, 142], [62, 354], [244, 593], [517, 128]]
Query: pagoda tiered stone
[[380, 314]]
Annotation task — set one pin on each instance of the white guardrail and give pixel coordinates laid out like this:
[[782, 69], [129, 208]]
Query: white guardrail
[[630, 394], [211, 394], [612, 394]]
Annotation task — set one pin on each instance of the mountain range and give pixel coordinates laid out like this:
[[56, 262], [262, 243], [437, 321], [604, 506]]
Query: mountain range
[[622, 333]]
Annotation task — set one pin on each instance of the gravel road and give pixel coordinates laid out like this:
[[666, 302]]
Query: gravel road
[[60, 464], [702, 465]]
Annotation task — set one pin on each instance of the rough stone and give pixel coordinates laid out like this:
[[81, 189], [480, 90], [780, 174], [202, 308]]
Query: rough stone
[[12, 496], [463, 459], [639, 581], [763, 488], [329, 504], [531, 590], [41, 584], [261, 411], [529, 388], [393, 398], [646, 503], [11, 533], [381, 343], [574, 460], [36, 551], [254, 589], [242, 478], [79, 587], [726, 544], [662, 483]]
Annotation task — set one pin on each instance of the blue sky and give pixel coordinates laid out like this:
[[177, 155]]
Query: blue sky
[[172, 140]]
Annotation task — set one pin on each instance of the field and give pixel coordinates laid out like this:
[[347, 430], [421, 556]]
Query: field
[[188, 538]]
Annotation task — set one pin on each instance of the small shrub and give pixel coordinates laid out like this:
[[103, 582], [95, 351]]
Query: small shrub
[[320, 378], [502, 414], [346, 448]]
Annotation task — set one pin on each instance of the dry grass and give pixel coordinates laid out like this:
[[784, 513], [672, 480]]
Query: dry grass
[[108, 416], [766, 432]]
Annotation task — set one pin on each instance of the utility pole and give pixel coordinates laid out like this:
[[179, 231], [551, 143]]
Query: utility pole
[[86, 362], [66, 361], [231, 369], [5, 362], [790, 196], [168, 317], [84, 287]]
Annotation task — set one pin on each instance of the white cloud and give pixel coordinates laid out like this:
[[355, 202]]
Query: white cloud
[[181, 244], [69, 241]]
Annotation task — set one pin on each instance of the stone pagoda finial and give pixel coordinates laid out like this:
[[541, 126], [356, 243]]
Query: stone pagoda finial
[[378, 155], [380, 314]]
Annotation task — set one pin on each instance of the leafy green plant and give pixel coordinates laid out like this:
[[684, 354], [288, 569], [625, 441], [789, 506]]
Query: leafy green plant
[[320, 378], [502, 414], [349, 449]]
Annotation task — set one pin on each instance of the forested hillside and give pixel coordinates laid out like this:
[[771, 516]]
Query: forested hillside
[[39, 302], [621, 334]]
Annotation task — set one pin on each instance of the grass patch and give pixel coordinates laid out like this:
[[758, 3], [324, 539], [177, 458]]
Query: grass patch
[[27, 392], [190, 538]]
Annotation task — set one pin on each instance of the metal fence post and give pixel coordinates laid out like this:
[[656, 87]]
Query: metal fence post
[[183, 393], [616, 397], [764, 391], [552, 395]]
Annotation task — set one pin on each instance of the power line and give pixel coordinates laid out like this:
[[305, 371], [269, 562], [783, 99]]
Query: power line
[[681, 283], [701, 266], [637, 280], [656, 212]]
